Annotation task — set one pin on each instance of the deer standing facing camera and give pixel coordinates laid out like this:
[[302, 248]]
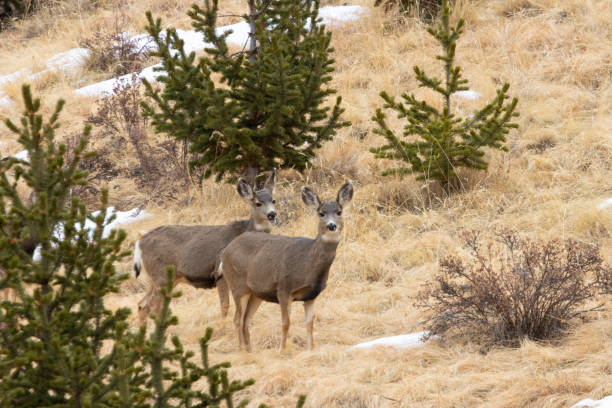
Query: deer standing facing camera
[[194, 250], [282, 269]]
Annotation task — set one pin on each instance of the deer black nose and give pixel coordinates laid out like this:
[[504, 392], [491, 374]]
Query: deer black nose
[[331, 226], [271, 215]]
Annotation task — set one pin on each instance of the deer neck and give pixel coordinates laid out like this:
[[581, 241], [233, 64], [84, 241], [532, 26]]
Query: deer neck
[[252, 225], [323, 253]]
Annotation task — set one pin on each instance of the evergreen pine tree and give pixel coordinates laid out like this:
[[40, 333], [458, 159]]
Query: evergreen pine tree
[[13, 9], [443, 142], [258, 109], [59, 344], [51, 345]]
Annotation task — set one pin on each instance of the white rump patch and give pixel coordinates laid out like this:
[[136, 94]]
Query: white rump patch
[[137, 254]]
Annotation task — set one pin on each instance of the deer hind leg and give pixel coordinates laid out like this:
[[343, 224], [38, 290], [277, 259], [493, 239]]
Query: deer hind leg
[[150, 303], [223, 290], [252, 307], [285, 305], [309, 317]]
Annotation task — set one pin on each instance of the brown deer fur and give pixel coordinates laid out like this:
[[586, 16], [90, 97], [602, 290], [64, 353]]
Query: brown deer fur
[[274, 268], [193, 250]]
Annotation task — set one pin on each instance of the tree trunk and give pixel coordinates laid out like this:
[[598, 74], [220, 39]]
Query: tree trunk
[[252, 41]]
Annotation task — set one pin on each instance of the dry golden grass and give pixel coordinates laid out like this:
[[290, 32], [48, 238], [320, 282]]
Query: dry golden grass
[[557, 56]]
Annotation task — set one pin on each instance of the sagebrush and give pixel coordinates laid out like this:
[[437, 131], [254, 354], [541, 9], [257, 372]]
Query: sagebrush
[[424, 9], [163, 166], [510, 288]]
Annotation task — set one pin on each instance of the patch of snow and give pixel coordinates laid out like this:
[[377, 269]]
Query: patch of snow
[[6, 102], [194, 41], [605, 204], [398, 342], [22, 155], [143, 42], [602, 403], [36, 257], [5, 79], [69, 61], [469, 94], [122, 218], [150, 74], [240, 32], [334, 15]]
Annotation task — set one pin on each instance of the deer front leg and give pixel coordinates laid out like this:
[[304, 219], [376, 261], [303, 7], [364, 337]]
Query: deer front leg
[[309, 317], [252, 307], [285, 305], [244, 304]]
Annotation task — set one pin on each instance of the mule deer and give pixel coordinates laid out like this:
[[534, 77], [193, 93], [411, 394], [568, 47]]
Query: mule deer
[[282, 269], [27, 245], [194, 250]]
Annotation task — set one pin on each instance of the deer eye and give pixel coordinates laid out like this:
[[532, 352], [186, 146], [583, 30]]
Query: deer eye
[[273, 201], [258, 204], [321, 214], [339, 213]]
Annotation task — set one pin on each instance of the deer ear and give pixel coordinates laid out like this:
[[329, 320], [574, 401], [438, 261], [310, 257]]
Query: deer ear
[[245, 190], [310, 198], [345, 194], [271, 182]]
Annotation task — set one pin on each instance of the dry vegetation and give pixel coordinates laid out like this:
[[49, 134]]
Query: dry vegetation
[[557, 56]]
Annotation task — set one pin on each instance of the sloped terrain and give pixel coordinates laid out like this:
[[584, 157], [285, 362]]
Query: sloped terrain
[[557, 56]]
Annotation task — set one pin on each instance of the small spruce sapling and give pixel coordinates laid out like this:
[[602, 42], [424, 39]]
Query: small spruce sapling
[[52, 339], [257, 109], [438, 142]]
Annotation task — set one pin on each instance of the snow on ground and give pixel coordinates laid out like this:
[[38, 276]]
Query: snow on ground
[[335, 15], [6, 102], [5, 79], [398, 342], [469, 94], [122, 218], [22, 155], [602, 403], [605, 204], [194, 41], [108, 86], [69, 61]]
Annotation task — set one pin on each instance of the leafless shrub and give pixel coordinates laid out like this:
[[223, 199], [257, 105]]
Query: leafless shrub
[[161, 165], [120, 113], [115, 51], [99, 167], [427, 10], [513, 288]]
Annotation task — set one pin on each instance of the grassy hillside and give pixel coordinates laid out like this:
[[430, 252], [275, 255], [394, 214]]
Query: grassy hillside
[[557, 56]]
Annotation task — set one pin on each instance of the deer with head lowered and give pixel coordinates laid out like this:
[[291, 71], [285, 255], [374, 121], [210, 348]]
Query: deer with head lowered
[[194, 250], [282, 269]]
